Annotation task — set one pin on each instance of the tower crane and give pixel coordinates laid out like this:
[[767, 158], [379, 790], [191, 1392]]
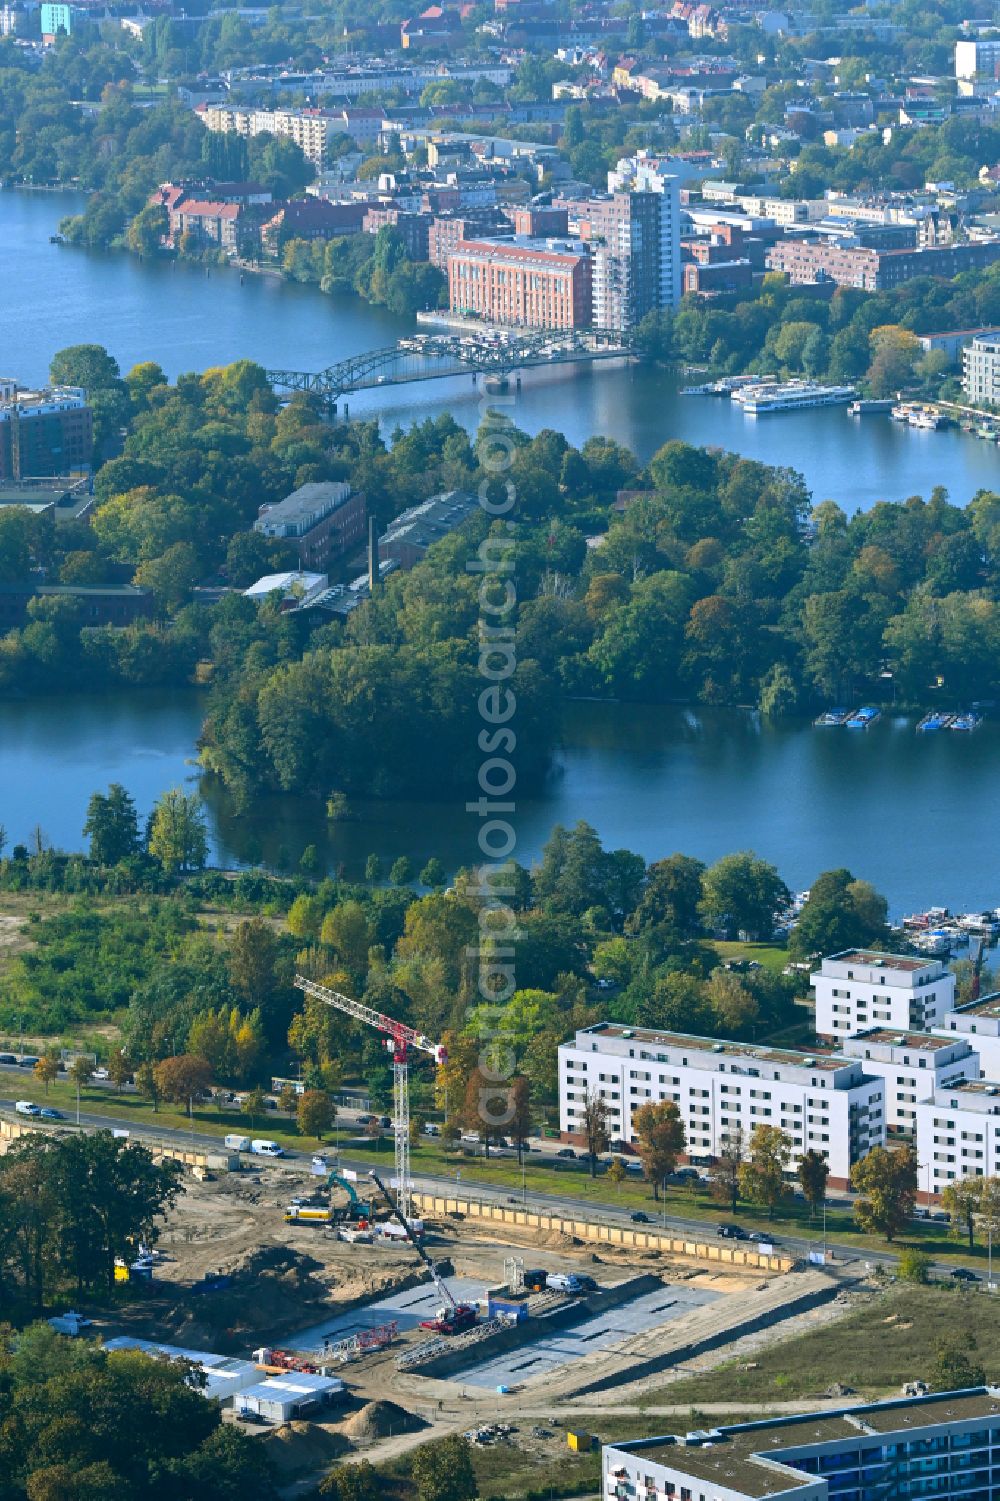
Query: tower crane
[[401, 1041]]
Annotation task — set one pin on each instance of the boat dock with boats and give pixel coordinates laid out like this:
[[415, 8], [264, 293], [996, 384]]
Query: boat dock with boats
[[863, 718], [790, 396]]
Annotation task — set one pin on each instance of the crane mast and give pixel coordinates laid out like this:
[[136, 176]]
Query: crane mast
[[401, 1040]]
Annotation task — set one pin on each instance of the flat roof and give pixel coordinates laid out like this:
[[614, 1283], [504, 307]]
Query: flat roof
[[752, 1457], [987, 1005], [878, 959], [887, 1037], [720, 1047]]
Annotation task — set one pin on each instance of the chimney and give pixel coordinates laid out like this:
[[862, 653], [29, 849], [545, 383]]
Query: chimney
[[373, 570]]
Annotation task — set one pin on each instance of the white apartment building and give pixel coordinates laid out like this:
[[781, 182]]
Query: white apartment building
[[311, 129], [942, 1446], [977, 59], [979, 1023], [862, 988], [958, 1134], [827, 1103], [912, 1066], [981, 369]]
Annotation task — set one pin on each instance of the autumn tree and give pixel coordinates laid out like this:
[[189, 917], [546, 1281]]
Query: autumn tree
[[46, 1070], [813, 1172], [595, 1128], [725, 1179], [762, 1175], [254, 1105], [316, 1113], [658, 1132], [177, 837], [962, 1200], [183, 1078], [886, 1182], [521, 1120]]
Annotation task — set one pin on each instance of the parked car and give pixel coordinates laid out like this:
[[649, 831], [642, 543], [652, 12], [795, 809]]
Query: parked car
[[962, 1274], [7, 1058], [763, 1237], [565, 1152], [587, 1283], [732, 1232], [28, 1061], [639, 1217], [564, 1282], [385, 1123], [101, 1073], [432, 1129], [49, 1113], [364, 1120]]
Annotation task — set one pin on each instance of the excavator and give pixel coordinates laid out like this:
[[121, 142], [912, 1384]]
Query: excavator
[[314, 1214], [452, 1317]]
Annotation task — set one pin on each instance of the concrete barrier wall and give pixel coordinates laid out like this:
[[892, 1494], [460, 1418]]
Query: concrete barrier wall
[[598, 1232], [216, 1162]]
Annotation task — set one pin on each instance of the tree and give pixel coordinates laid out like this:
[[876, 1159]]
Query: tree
[[177, 837], [595, 1128], [742, 893], [813, 1172], [119, 1069], [955, 1364], [352, 1482], [316, 1113], [671, 896], [762, 1176], [254, 1105], [433, 874], [520, 1121], [46, 1070], [253, 954], [962, 1200], [841, 913], [347, 931], [915, 1266], [183, 1078], [288, 1099], [659, 1139], [443, 1470], [401, 871], [86, 365], [617, 1173], [725, 1181], [886, 1181], [145, 1082], [112, 826], [81, 1071]]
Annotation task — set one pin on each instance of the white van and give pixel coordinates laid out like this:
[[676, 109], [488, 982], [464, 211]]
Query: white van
[[237, 1143], [26, 1107], [563, 1282], [263, 1148]]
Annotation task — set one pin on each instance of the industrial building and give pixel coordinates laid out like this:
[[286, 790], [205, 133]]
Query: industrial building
[[521, 282], [297, 589], [281, 1398], [941, 1446], [979, 1023], [406, 541], [224, 1376], [44, 432], [322, 520], [861, 988], [825, 1102]]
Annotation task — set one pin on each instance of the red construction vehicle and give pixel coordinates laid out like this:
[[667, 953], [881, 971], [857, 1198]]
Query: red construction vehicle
[[452, 1317]]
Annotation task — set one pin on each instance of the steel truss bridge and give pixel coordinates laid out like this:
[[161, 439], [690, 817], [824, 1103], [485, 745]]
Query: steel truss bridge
[[433, 356]]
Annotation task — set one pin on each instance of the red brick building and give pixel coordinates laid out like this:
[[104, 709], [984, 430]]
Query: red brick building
[[322, 520], [521, 285]]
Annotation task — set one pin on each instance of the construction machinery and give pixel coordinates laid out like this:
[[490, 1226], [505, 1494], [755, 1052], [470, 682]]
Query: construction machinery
[[401, 1041], [311, 1213], [452, 1317]]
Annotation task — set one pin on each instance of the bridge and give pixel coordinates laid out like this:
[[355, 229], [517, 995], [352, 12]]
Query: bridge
[[489, 352]]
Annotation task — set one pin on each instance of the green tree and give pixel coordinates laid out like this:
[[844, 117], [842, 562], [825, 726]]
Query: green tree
[[352, 1482], [813, 1172], [956, 1364], [112, 826], [401, 871], [741, 893], [177, 837], [254, 1105], [886, 1182], [725, 1179], [962, 1200], [658, 1132], [762, 1175], [915, 1266], [316, 1113], [86, 365], [841, 913], [433, 874], [443, 1471]]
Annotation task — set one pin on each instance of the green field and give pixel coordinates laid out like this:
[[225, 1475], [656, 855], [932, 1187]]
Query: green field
[[873, 1350]]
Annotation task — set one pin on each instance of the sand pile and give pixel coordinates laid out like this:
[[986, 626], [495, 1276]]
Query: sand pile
[[382, 1420]]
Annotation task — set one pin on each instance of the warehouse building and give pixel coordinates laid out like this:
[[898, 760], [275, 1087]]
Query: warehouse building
[[322, 520], [941, 1446], [281, 1398]]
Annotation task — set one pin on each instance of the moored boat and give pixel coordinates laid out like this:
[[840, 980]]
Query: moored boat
[[832, 717], [966, 722], [863, 717], [934, 721]]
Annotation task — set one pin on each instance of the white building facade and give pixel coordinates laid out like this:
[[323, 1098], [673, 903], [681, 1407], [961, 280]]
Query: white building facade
[[912, 1066], [826, 1103], [958, 1134], [981, 370], [862, 988], [979, 1023]]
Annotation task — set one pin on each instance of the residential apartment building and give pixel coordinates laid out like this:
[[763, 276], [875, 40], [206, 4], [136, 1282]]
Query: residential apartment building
[[978, 59], [825, 1102], [981, 370], [958, 1134], [523, 283], [446, 231], [808, 261], [311, 219], [912, 1066], [323, 520], [979, 1023], [942, 1446], [44, 432], [312, 129], [862, 988]]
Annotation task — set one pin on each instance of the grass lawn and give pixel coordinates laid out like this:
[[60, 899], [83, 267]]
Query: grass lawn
[[771, 955], [874, 1350]]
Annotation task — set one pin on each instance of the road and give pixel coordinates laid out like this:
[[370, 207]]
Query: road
[[463, 1182]]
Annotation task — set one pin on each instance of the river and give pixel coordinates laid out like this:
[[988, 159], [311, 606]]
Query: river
[[188, 318], [919, 816]]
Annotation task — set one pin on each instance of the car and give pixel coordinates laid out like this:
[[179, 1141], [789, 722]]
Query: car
[[28, 1061], [385, 1123], [432, 1129], [25, 1107], [48, 1113], [565, 1152], [7, 1058], [685, 1174], [962, 1274], [101, 1073], [586, 1283], [639, 1217], [732, 1232], [763, 1238], [564, 1282], [364, 1120]]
